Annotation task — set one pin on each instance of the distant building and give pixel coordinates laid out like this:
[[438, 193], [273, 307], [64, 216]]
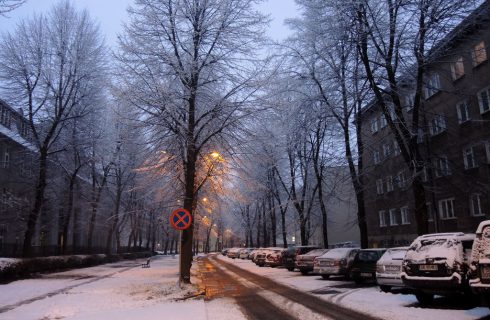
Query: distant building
[[454, 140]]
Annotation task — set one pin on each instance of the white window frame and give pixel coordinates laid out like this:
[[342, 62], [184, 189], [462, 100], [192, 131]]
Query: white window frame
[[374, 125], [379, 187], [405, 215], [437, 124], [6, 158], [387, 150], [396, 148], [463, 111], [432, 85], [389, 184], [476, 211], [446, 209], [479, 53], [430, 213], [393, 217], [484, 100], [382, 218], [442, 167], [457, 68], [469, 158], [401, 179]]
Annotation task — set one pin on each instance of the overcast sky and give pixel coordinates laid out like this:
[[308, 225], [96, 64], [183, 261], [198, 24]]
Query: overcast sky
[[112, 13]]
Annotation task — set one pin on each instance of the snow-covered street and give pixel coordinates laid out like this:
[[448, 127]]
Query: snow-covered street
[[120, 290]]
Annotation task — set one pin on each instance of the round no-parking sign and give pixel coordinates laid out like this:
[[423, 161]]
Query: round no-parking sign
[[181, 219]]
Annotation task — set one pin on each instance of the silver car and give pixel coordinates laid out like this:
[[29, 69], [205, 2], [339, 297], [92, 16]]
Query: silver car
[[335, 262], [389, 269]]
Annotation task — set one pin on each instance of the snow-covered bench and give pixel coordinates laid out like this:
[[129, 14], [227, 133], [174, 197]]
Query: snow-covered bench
[[147, 264]]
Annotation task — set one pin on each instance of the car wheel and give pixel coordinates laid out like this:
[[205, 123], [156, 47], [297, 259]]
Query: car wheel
[[291, 269], [424, 298], [385, 288], [304, 272], [358, 280], [325, 276]]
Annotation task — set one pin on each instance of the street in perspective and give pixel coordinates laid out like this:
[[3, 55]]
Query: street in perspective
[[245, 159]]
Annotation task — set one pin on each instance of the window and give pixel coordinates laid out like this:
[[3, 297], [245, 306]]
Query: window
[[420, 135], [430, 213], [5, 196], [396, 148], [379, 186], [393, 217], [376, 157], [437, 124], [469, 158], [457, 68], [389, 183], [442, 167], [6, 158], [383, 122], [24, 129], [484, 100], [382, 218], [405, 215], [410, 101], [374, 125], [425, 174], [387, 150], [446, 208], [463, 111], [432, 85], [401, 179], [475, 205], [5, 116], [479, 53]]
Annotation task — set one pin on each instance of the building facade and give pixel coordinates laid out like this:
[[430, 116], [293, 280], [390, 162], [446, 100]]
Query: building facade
[[454, 140]]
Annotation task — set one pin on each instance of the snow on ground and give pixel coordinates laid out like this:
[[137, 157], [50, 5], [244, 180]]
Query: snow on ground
[[120, 291], [364, 299]]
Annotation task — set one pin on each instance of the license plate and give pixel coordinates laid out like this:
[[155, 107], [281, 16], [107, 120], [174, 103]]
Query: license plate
[[393, 268], [428, 267], [366, 274], [485, 272]]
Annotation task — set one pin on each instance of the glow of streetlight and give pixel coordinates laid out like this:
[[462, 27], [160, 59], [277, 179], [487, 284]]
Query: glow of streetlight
[[205, 199], [215, 155]]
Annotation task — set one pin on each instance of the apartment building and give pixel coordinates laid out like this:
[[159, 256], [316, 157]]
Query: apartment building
[[454, 139]]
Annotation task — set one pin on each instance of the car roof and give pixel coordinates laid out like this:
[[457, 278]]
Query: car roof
[[450, 235], [482, 225]]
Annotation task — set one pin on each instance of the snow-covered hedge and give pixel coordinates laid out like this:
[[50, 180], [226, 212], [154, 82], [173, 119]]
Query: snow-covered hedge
[[16, 268]]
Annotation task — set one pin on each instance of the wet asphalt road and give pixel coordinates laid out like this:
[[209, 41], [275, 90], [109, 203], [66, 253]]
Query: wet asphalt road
[[249, 290]]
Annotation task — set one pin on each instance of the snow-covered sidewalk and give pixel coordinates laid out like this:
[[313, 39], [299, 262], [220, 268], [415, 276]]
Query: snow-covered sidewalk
[[120, 291], [369, 299]]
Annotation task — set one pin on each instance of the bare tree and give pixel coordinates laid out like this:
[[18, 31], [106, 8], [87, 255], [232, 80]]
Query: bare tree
[[48, 65], [192, 75], [8, 5]]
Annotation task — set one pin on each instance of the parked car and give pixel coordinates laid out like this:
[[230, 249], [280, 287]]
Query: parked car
[[253, 254], [289, 256], [224, 251], [304, 262], [274, 257], [480, 262], [364, 265], [335, 262], [389, 269], [233, 253], [261, 256], [438, 264], [244, 253]]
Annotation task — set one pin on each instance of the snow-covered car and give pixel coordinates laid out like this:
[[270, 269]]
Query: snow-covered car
[[274, 257], [224, 251], [335, 262], [438, 264], [364, 265], [254, 253], [304, 262], [244, 253], [480, 262], [389, 269], [289, 256], [261, 256], [233, 253]]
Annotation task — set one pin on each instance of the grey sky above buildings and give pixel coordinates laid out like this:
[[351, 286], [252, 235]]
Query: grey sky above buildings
[[112, 13]]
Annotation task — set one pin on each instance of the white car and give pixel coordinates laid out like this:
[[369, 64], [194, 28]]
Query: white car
[[335, 262], [389, 269], [480, 262]]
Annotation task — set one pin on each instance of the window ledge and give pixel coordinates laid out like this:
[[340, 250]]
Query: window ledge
[[451, 218]]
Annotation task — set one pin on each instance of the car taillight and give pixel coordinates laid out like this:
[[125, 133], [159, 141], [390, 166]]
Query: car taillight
[[316, 263]]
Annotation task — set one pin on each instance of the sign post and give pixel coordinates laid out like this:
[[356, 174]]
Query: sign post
[[181, 219]]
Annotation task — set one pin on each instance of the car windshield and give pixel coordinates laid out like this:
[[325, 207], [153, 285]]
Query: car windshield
[[395, 254], [316, 252], [426, 244], [368, 256]]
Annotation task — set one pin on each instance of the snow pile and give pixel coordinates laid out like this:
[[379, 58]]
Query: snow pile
[[481, 245], [6, 263]]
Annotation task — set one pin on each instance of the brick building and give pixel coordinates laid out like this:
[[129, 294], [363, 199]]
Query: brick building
[[454, 140]]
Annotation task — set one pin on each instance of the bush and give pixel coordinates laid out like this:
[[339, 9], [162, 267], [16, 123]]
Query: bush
[[13, 269]]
